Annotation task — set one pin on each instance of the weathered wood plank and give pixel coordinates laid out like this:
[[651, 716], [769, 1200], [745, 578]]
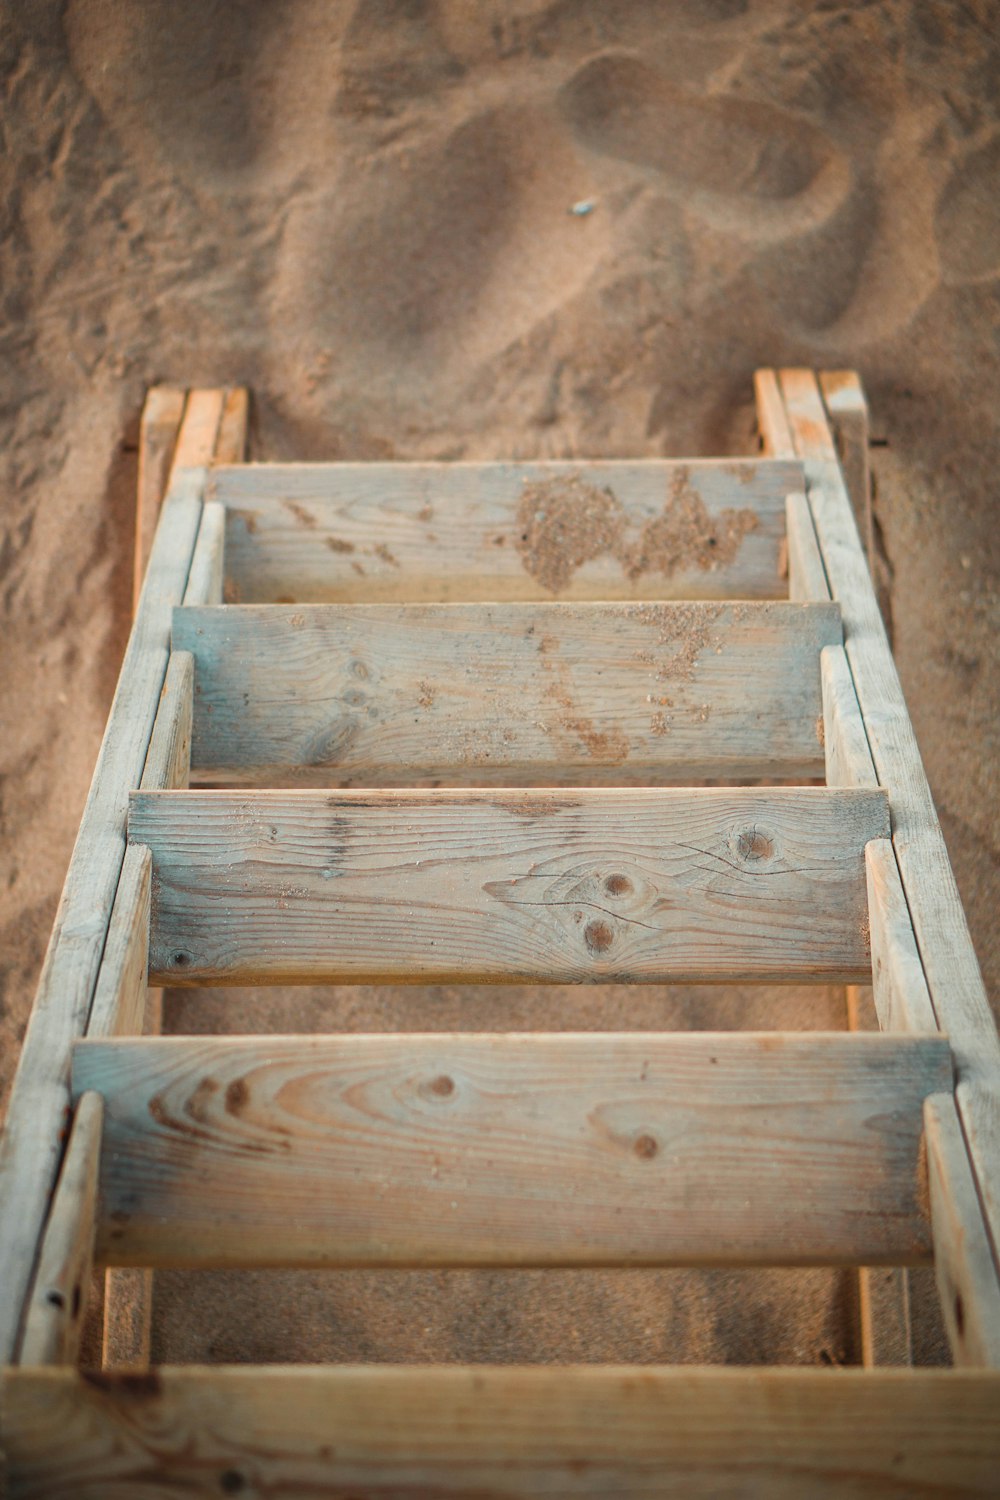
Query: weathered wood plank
[[900, 988], [847, 410], [806, 577], [544, 693], [196, 441], [772, 419], [963, 1259], [120, 998], [158, 429], [562, 887], [59, 1296], [231, 439], [531, 1150], [647, 529], [434, 1432], [953, 979], [848, 758], [205, 584], [32, 1143]]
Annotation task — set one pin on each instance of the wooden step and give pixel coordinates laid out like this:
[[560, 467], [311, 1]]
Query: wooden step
[[530, 1150], [389, 694], [434, 1432], [646, 529], [676, 886]]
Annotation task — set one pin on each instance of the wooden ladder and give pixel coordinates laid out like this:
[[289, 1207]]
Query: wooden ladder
[[486, 699]]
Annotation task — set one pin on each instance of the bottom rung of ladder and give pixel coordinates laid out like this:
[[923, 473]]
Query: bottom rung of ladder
[[514, 1150], [437, 1431]]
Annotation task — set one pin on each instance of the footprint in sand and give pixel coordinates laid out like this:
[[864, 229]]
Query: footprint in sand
[[717, 144], [450, 248]]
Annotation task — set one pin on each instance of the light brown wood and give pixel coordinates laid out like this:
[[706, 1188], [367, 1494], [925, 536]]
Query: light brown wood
[[847, 410], [432, 1432], [231, 441], [512, 693], [954, 982], [646, 529], [532, 1150], [158, 429], [196, 440], [674, 886], [58, 1299], [848, 758], [772, 419], [963, 1258]]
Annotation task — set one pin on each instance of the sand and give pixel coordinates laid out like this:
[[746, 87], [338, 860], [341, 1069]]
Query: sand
[[362, 212]]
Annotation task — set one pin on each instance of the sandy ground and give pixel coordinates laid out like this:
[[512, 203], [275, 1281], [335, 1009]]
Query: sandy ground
[[361, 211]]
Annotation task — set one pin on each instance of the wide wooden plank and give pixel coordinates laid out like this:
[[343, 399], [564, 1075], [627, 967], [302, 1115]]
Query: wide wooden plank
[[387, 694], [938, 921], [59, 1296], [531, 1150], [646, 529], [569, 887], [432, 1432]]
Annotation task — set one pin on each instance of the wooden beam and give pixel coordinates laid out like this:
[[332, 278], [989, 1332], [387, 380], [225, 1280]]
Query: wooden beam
[[128, 1297], [32, 1144], [373, 532], [673, 886], [963, 1260], [848, 758], [519, 1150], [847, 410], [435, 1432], [158, 429], [205, 585], [772, 419], [806, 575], [231, 440], [59, 1296], [120, 999], [533, 693], [938, 921]]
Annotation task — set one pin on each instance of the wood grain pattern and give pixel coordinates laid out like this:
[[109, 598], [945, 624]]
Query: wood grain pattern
[[900, 988], [646, 529], [58, 1299], [563, 887], [953, 978], [205, 585], [33, 1139], [847, 410], [428, 1432], [536, 693], [772, 418], [531, 1150], [161, 419], [806, 576], [120, 998], [963, 1259], [848, 758]]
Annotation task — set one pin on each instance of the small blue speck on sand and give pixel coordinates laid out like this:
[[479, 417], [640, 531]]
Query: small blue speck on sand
[[585, 206]]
